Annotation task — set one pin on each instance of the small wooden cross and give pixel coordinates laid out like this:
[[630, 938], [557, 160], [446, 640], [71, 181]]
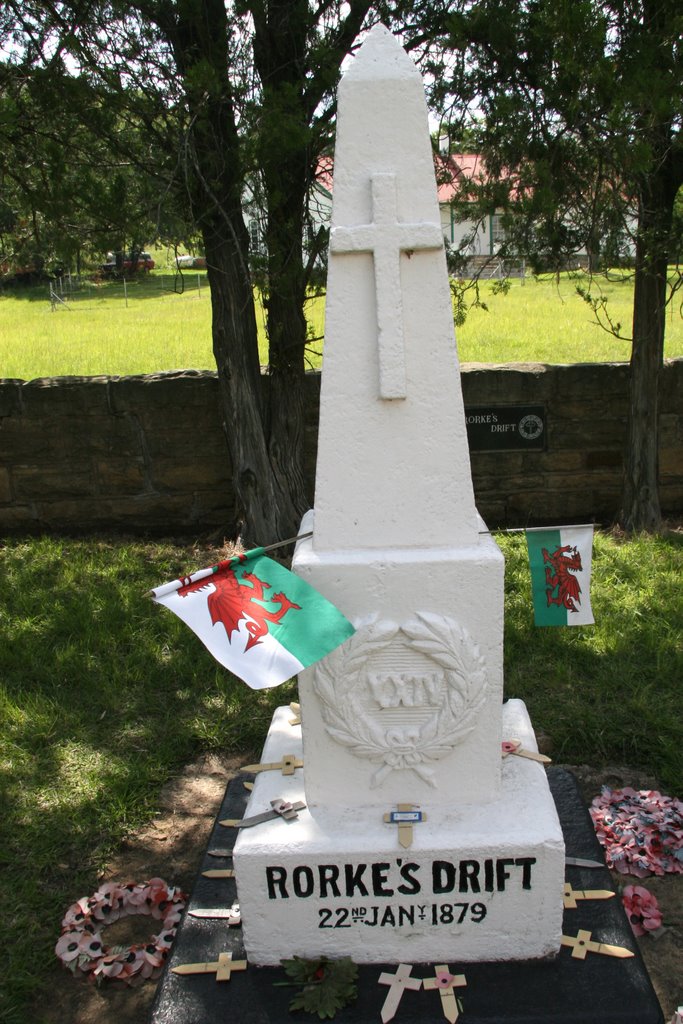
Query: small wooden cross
[[296, 712], [570, 896], [405, 817], [581, 944], [583, 862], [223, 967], [515, 747], [278, 809], [229, 914], [446, 982], [287, 765], [397, 983]]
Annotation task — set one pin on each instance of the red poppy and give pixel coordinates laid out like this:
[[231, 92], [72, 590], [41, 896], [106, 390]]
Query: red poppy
[[642, 909]]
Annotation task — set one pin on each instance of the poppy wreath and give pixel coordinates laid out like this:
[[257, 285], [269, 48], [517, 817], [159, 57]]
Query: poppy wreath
[[80, 946], [642, 832]]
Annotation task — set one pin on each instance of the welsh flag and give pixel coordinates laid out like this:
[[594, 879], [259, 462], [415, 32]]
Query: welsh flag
[[560, 563], [259, 620]]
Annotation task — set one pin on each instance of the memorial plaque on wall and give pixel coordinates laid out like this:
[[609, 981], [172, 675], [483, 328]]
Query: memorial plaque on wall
[[497, 428]]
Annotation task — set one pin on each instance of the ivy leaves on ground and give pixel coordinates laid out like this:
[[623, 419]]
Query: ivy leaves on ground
[[326, 985]]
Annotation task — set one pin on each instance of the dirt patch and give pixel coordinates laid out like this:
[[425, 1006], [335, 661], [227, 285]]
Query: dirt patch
[[173, 845]]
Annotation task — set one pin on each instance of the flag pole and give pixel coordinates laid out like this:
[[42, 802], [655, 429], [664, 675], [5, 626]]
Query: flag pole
[[539, 529], [283, 543], [201, 574]]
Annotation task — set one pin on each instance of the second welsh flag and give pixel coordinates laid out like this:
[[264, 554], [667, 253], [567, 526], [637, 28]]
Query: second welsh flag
[[257, 618], [560, 563]]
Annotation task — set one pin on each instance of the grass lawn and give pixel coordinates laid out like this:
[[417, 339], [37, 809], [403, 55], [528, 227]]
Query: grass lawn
[[157, 326], [103, 696], [546, 321]]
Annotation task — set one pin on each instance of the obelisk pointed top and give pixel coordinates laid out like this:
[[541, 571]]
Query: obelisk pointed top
[[393, 462], [381, 56]]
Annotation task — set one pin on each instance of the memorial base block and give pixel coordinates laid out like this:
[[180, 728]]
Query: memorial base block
[[559, 990], [482, 883]]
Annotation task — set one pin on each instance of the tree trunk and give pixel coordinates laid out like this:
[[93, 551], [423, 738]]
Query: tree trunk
[[264, 509], [658, 183], [640, 508], [286, 400], [280, 50], [286, 324], [264, 506]]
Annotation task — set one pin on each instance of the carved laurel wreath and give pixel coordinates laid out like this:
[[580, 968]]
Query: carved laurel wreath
[[339, 682]]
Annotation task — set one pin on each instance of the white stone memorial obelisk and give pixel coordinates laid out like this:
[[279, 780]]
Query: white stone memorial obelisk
[[419, 842]]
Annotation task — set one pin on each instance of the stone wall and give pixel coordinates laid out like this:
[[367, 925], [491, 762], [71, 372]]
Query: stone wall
[[147, 455]]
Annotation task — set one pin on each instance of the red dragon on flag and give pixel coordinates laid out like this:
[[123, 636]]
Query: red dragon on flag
[[238, 598], [564, 561]]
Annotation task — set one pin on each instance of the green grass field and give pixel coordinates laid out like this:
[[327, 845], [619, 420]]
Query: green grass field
[[104, 696], [157, 327]]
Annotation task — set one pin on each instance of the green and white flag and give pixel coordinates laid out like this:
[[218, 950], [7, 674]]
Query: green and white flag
[[257, 618], [560, 563]]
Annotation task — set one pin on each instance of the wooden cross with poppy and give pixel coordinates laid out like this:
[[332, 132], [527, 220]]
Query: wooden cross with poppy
[[446, 982]]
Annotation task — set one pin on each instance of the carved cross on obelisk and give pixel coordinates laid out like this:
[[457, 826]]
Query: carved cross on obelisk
[[386, 238]]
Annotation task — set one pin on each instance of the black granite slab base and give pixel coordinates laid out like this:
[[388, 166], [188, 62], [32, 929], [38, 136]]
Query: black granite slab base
[[597, 990]]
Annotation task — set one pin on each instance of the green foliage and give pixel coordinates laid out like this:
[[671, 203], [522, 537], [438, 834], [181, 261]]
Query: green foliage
[[65, 190], [598, 303], [327, 985], [579, 111]]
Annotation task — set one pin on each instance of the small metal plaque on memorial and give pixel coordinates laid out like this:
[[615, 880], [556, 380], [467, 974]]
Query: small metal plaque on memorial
[[496, 428]]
